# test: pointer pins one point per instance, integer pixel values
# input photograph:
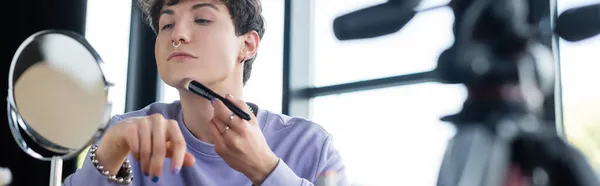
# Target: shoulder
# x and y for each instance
(304, 145)
(168, 110)
(288, 135)
(292, 126)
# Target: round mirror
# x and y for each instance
(58, 95)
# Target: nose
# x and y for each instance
(181, 33)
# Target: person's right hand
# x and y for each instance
(149, 139)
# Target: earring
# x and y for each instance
(176, 45)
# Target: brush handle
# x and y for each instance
(239, 112)
(199, 89)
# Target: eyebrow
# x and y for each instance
(196, 6)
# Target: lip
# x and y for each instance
(180, 54)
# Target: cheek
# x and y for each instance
(218, 49)
(161, 50)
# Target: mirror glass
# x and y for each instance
(58, 89)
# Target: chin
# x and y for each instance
(176, 79)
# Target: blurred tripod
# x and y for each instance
(501, 138)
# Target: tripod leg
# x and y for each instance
(473, 158)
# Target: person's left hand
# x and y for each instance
(241, 143)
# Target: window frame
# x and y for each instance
(297, 83)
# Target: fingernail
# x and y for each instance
(229, 96)
(146, 174)
(176, 170)
(155, 179)
(212, 101)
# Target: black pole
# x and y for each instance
(543, 14)
(142, 75)
(286, 94)
(22, 19)
(296, 58)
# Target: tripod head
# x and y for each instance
(498, 56)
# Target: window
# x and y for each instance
(385, 133)
(265, 85)
(107, 31)
(580, 90)
(389, 132)
(415, 48)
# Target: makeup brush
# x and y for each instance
(203, 91)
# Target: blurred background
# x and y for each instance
(398, 122)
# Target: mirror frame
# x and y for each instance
(17, 123)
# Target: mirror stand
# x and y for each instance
(56, 171)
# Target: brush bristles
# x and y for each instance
(185, 83)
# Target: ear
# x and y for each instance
(250, 45)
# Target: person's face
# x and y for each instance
(207, 34)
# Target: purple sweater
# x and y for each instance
(304, 148)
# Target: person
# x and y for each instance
(196, 141)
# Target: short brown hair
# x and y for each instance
(245, 14)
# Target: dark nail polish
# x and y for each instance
(146, 174)
(212, 101)
(155, 179)
(176, 170)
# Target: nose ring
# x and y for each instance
(176, 44)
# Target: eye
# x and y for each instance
(167, 26)
(202, 21)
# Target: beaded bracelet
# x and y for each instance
(125, 169)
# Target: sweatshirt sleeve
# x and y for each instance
(329, 163)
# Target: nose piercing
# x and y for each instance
(176, 44)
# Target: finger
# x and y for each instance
(221, 117)
(132, 140)
(218, 137)
(188, 158)
(159, 148)
(236, 124)
(145, 144)
(221, 112)
(177, 145)
(221, 126)
(242, 105)
(239, 125)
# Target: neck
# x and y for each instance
(197, 111)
